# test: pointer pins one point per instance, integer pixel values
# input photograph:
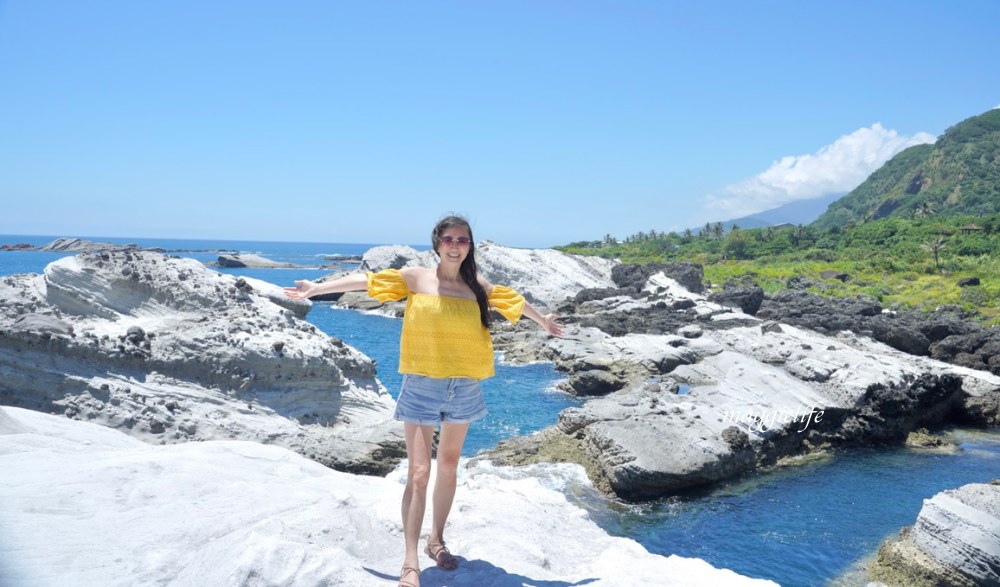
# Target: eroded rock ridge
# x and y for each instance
(170, 351)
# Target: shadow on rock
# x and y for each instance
(478, 572)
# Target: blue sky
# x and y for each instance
(543, 121)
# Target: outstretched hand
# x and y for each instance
(551, 326)
(301, 291)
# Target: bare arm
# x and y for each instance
(547, 322)
(305, 289)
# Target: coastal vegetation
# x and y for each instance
(902, 263)
(921, 232)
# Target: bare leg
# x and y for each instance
(418, 452)
(448, 452)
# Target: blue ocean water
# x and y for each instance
(799, 526)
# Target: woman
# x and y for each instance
(445, 350)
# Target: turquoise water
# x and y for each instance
(806, 524)
(799, 526)
(520, 400)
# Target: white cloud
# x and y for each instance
(838, 167)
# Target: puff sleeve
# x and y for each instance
(508, 302)
(387, 285)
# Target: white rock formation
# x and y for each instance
(544, 276)
(277, 295)
(960, 529)
(955, 541)
(91, 507)
(170, 351)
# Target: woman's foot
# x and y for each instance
(409, 577)
(441, 555)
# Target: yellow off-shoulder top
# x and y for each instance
(443, 335)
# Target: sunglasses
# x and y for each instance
(460, 241)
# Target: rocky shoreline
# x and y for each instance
(686, 387)
(690, 387)
(749, 385)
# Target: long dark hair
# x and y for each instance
(468, 269)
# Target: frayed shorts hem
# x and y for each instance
(428, 401)
(432, 422)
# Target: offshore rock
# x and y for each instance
(170, 351)
(252, 261)
(955, 541)
(77, 245)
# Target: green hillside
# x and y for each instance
(959, 175)
(906, 237)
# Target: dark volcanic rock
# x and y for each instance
(594, 382)
(640, 321)
(591, 294)
(890, 412)
(834, 274)
(898, 333)
(689, 275)
(823, 314)
(798, 282)
(945, 335)
(745, 295)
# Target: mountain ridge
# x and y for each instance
(957, 175)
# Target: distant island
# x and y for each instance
(79, 245)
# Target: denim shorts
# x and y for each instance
(428, 401)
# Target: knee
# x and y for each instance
(419, 476)
(447, 466)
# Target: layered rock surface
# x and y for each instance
(170, 351)
(955, 541)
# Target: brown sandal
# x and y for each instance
(442, 556)
(406, 571)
